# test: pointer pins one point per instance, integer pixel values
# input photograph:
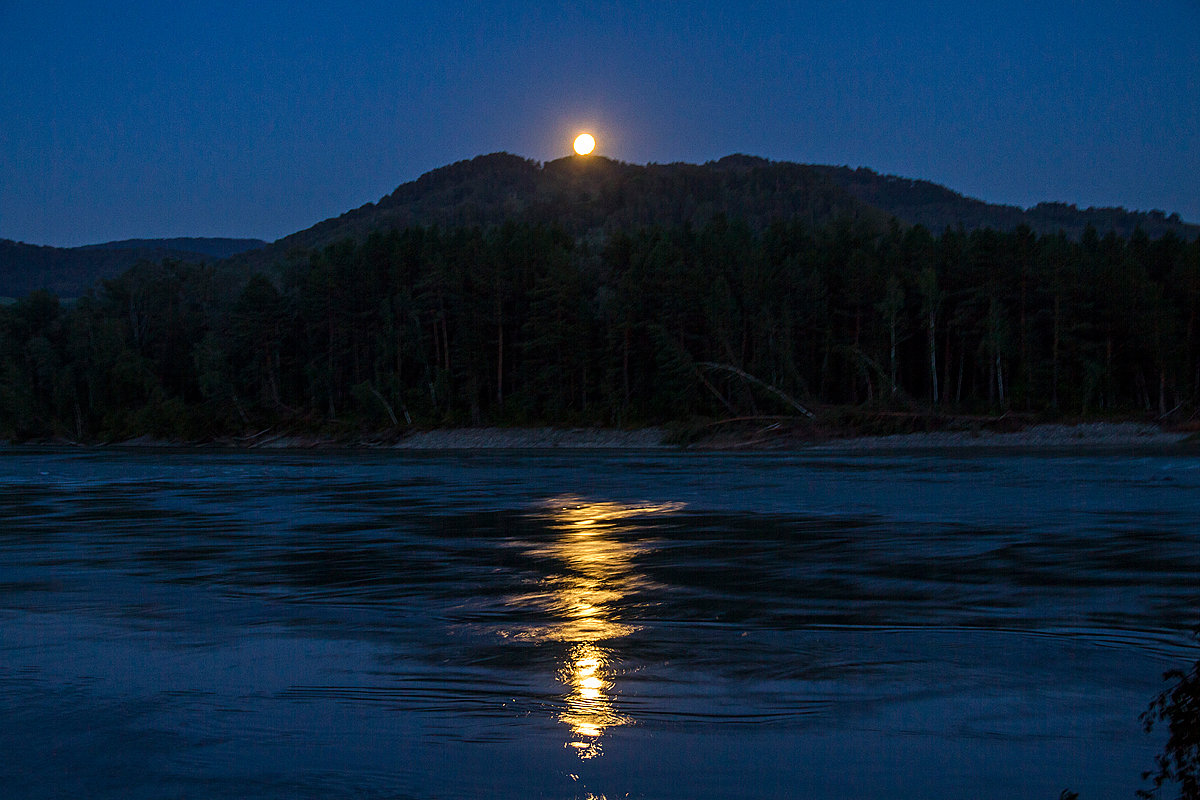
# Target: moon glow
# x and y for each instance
(584, 144)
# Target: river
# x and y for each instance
(588, 624)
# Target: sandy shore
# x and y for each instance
(1091, 434)
(1083, 435)
(464, 438)
(1094, 434)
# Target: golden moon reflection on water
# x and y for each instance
(598, 574)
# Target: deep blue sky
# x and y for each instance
(148, 119)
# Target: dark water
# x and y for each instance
(588, 625)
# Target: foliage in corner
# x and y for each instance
(1179, 762)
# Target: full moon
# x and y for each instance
(584, 144)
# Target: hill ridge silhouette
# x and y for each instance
(592, 197)
(596, 194)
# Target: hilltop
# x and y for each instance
(592, 198)
(595, 196)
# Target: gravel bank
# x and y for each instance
(1091, 434)
(470, 438)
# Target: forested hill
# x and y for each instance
(70, 271)
(592, 198)
(598, 195)
(587, 196)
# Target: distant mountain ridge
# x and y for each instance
(69, 271)
(215, 247)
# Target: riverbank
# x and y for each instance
(764, 437)
(532, 438)
(1088, 434)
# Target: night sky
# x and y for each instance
(151, 119)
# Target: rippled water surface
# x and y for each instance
(586, 625)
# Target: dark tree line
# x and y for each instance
(522, 323)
